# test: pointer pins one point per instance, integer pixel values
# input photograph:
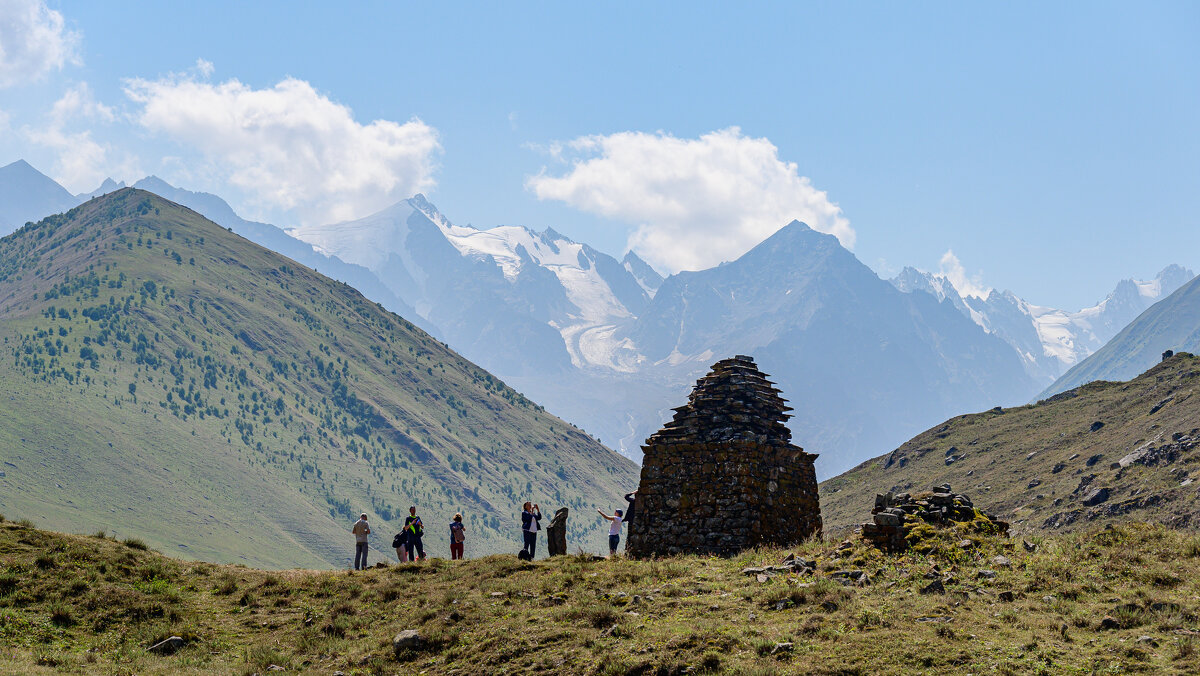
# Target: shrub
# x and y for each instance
(45, 562)
(136, 543)
(60, 614)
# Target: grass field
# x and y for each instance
(78, 604)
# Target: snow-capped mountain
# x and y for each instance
(503, 286)
(612, 346)
(1049, 340)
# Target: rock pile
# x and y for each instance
(723, 476)
(942, 507)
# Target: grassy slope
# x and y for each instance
(1004, 451)
(92, 605)
(269, 404)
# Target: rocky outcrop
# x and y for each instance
(556, 533)
(723, 476)
(894, 513)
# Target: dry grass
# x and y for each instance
(101, 604)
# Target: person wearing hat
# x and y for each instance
(361, 530)
(458, 536)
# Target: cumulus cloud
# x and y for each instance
(82, 162)
(966, 285)
(694, 202)
(33, 41)
(290, 147)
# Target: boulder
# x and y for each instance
(1095, 496)
(409, 639)
(167, 646)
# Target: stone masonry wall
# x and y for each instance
(723, 475)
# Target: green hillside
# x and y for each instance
(1100, 453)
(1105, 601)
(169, 380)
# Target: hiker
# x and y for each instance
(614, 531)
(531, 517)
(630, 498)
(457, 536)
(400, 544)
(361, 530)
(412, 524)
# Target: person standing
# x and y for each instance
(458, 536)
(531, 523)
(361, 530)
(614, 531)
(400, 544)
(415, 529)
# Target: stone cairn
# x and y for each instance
(940, 508)
(723, 475)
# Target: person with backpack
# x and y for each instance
(400, 544)
(531, 518)
(412, 524)
(614, 531)
(458, 535)
(361, 530)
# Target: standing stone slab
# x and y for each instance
(556, 533)
(723, 475)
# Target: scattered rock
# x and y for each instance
(1149, 640)
(1109, 622)
(409, 639)
(1006, 596)
(1034, 483)
(829, 607)
(1095, 496)
(783, 648)
(985, 574)
(1097, 426)
(1001, 561)
(965, 544)
(935, 587)
(275, 667)
(1058, 467)
(762, 577)
(1094, 459)
(1029, 546)
(167, 647)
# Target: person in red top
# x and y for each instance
(458, 536)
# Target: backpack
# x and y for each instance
(457, 533)
(400, 540)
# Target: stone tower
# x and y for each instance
(723, 475)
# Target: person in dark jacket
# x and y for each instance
(531, 518)
(458, 535)
(630, 498)
(415, 529)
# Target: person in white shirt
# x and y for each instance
(614, 530)
(361, 530)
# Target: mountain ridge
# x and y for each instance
(250, 401)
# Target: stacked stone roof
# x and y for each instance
(735, 401)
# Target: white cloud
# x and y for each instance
(33, 41)
(966, 285)
(204, 67)
(82, 162)
(290, 147)
(695, 202)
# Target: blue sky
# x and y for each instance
(1053, 149)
